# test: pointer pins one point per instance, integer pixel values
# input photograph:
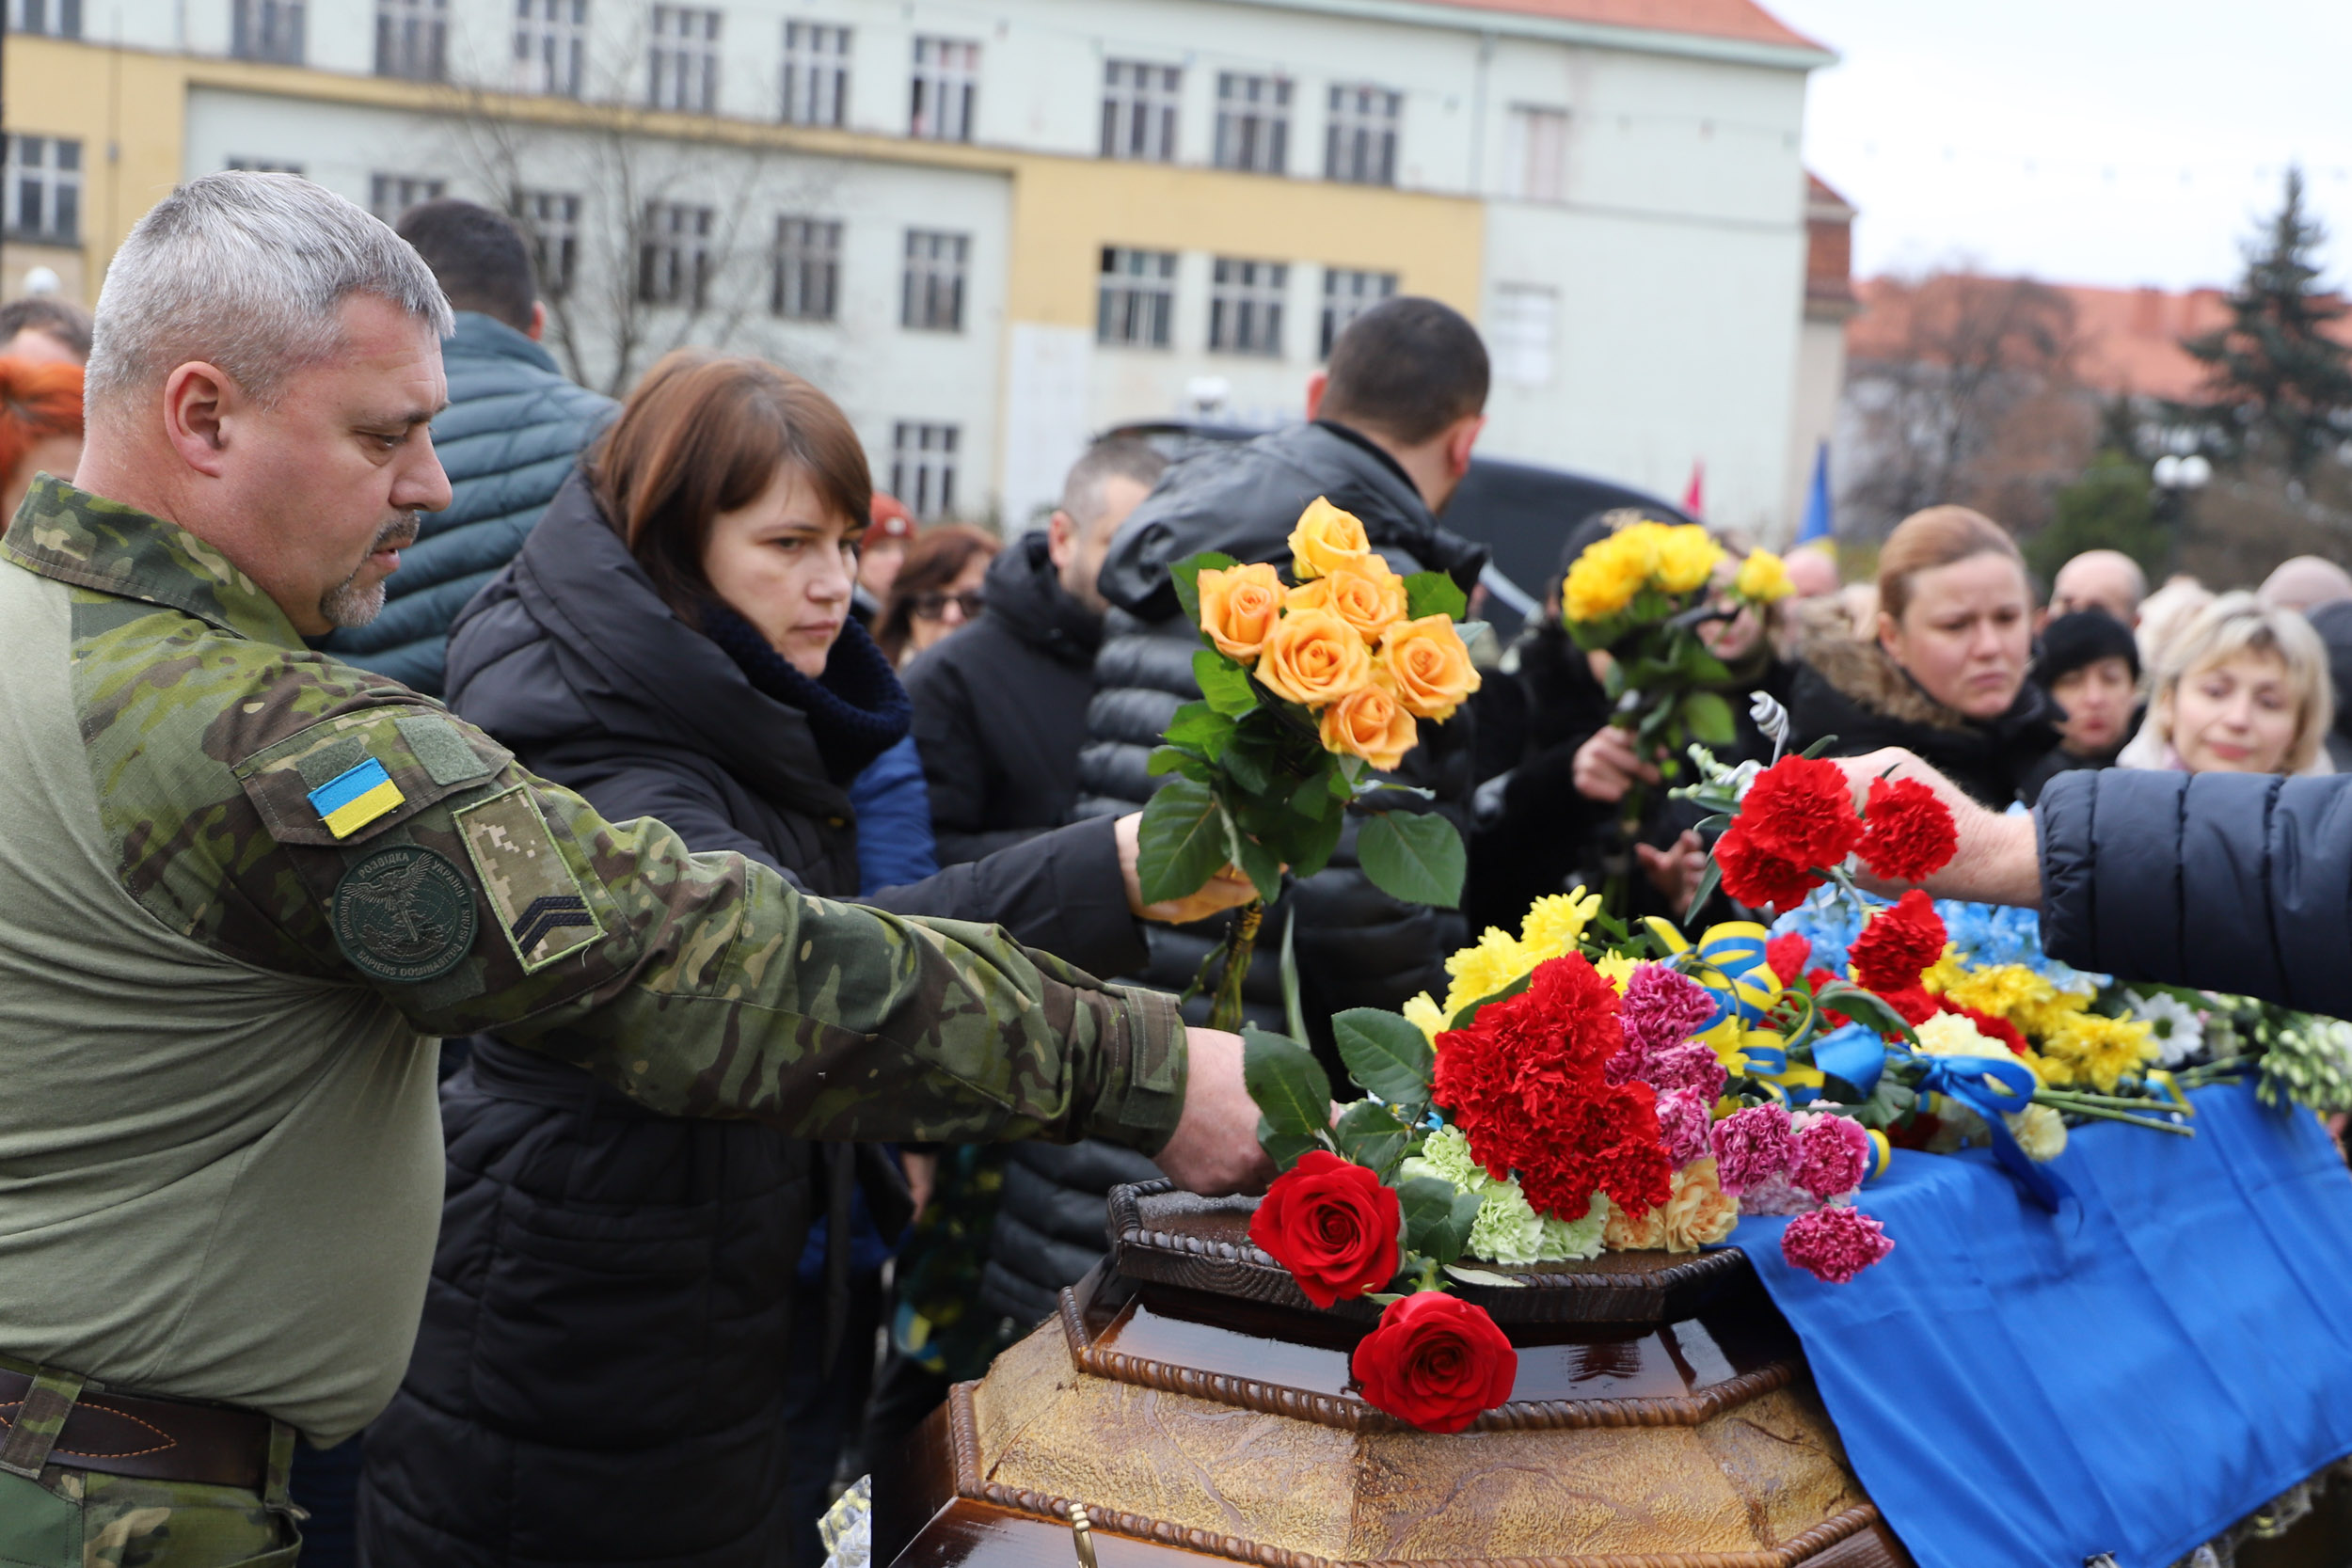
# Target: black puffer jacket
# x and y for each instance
(600, 1377)
(2227, 881)
(1001, 708)
(1852, 689)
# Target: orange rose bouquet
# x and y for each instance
(1312, 686)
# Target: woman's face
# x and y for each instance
(934, 614)
(2098, 702)
(1967, 634)
(785, 564)
(2236, 716)
(1735, 638)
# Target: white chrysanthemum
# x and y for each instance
(2178, 1030)
(1951, 1034)
(2040, 1130)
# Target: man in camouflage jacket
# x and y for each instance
(241, 887)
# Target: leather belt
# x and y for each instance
(153, 1438)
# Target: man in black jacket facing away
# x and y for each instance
(1000, 708)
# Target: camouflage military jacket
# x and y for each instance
(242, 884)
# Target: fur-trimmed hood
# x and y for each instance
(1852, 689)
(1870, 678)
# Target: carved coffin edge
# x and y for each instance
(963, 1435)
(1354, 1414)
(1221, 1268)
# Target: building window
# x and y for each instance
(1253, 122)
(807, 284)
(391, 195)
(263, 30)
(816, 74)
(1521, 334)
(44, 193)
(56, 18)
(933, 300)
(685, 59)
(412, 39)
(1140, 110)
(673, 256)
(550, 46)
(1360, 145)
(923, 467)
(550, 220)
(1347, 294)
(946, 82)
(1536, 153)
(1138, 297)
(1246, 307)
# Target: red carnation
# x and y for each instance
(1897, 944)
(1915, 1005)
(1610, 1143)
(1785, 954)
(1802, 810)
(1990, 1027)
(1436, 1361)
(1333, 1225)
(1757, 877)
(1907, 833)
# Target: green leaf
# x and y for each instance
(1293, 1010)
(1387, 1056)
(1284, 1149)
(1437, 1219)
(1256, 862)
(1309, 849)
(1199, 724)
(1487, 1278)
(1432, 594)
(1819, 747)
(1312, 798)
(1179, 759)
(1224, 683)
(1251, 760)
(1181, 844)
(1186, 574)
(1288, 1085)
(1368, 1135)
(1863, 1007)
(1413, 856)
(1709, 878)
(1709, 717)
(1462, 1019)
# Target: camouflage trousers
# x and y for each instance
(61, 1517)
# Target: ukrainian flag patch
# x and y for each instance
(351, 800)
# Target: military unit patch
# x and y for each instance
(404, 915)
(351, 800)
(536, 897)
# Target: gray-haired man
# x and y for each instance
(240, 885)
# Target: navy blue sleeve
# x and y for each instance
(2231, 882)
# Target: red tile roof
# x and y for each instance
(1743, 19)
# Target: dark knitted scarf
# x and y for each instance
(856, 710)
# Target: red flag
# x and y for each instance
(1694, 500)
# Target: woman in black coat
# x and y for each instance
(605, 1369)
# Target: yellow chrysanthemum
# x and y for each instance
(1495, 961)
(1686, 558)
(1555, 923)
(1422, 1014)
(1763, 578)
(1603, 581)
(1617, 970)
(2005, 990)
(1947, 972)
(2091, 1048)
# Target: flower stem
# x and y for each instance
(2101, 1112)
(1241, 940)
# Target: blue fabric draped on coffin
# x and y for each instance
(2133, 1374)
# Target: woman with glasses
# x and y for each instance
(938, 590)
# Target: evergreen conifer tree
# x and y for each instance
(2277, 383)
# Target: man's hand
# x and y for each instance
(1607, 766)
(1675, 871)
(1228, 889)
(1999, 857)
(1215, 1146)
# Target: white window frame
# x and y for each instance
(816, 73)
(1253, 122)
(1139, 103)
(551, 221)
(923, 466)
(1245, 306)
(674, 257)
(412, 40)
(1136, 301)
(35, 16)
(391, 194)
(938, 265)
(682, 59)
(552, 47)
(48, 170)
(1359, 140)
(945, 89)
(1523, 334)
(269, 30)
(1535, 152)
(1348, 293)
(807, 281)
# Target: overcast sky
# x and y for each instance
(2082, 141)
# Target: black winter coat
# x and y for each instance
(1001, 708)
(599, 1374)
(2227, 881)
(1852, 689)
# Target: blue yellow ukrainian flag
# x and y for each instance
(349, 802)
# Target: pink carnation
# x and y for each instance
(1690, 1066)
(1752, 1147)
(1682, 1126)
(1777, 1194)
(1663, 1008)
(1835, 1245)
(1832, 1154)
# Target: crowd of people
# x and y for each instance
(648, 1336)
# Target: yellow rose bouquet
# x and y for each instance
(1310, 687)
(1641, 595)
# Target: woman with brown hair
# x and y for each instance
(939, 590)
(626, 1355)
(1944, 673)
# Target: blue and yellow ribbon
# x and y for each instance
(1995, 1089)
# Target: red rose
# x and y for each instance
(1907, 833)
(1757, 877)
(1435, 1361)
(1802, 810)
(1332, 1224)
(1785, 954)
(1899, 944)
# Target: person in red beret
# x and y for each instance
(882, 550)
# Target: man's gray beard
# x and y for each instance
(347, 604)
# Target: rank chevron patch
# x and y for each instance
(540, 904)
